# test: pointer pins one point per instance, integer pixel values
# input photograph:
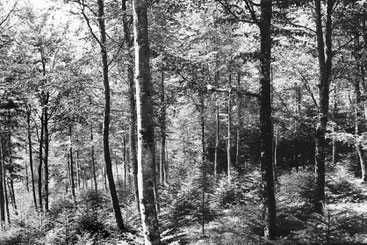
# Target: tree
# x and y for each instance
(146, 152)
(265, 116)
(107, 111)
(324, 49)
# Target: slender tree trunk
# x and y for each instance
(26, 177)
(334, 153)
(144, 104)
(106, 122)
(2, 198)
(358, 119)
(275, 155)
(229, 126)
(358, 109)
(93, 160)
(325, 66)
(47, 143)
(30, 152)
(40, 197)
(216, 140)
(10, 179)
(77, 166)
(162, 165)
(6, 197)
(68, 174)
(12, 195)
(203, 161)
(72, 181)
(265, 117)
(239, 122)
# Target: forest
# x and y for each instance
(183, 122)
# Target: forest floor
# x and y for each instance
(345, 221)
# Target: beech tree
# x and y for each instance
(146, 152)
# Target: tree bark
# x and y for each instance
(325, 65)
(229, 127)
(132, 105)
(216, 140)
(47, 143)
(2, 198)
(72, 166)
(106, 122)
(265, 117)
(146, 151)
(239, 122)
(6, 197)
(162, 122)
(334, 153)
(358, 121)
(40, 197)
(93, 160)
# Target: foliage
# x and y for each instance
(296, 188)
(242, 190)
(340, 186)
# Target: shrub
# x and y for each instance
(341, 187)
(242, 190)
(297, 188)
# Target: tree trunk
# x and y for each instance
(275, 161)
(72, 166)
(162, 164)
(229, 126)
(11, 183)
(106, 122)
(203, 162)
(239, 122)
(93, 160)
(358, 121)
(6, 197)
(334, 154)
(144, 103)
(77, 166)
(132, 105)
(26, 177)
(216, 140)
(265, 118)
(325, 66)
(40, 197)
(12, 196)
(47, 143)
(2, 198)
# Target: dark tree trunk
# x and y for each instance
(12, 196)
(334, 153)
(72, 181)
(40, 197)
(93, 160)
(6, 197)
(47, 143)
(265, 118)
(229, 126)
(216, 140)
(77, 166)
(325, 66)
(26, 177)
(144, 104)
(2, 198)
(203, 162)
(162, 121)
(106, 122)
(239, 122)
